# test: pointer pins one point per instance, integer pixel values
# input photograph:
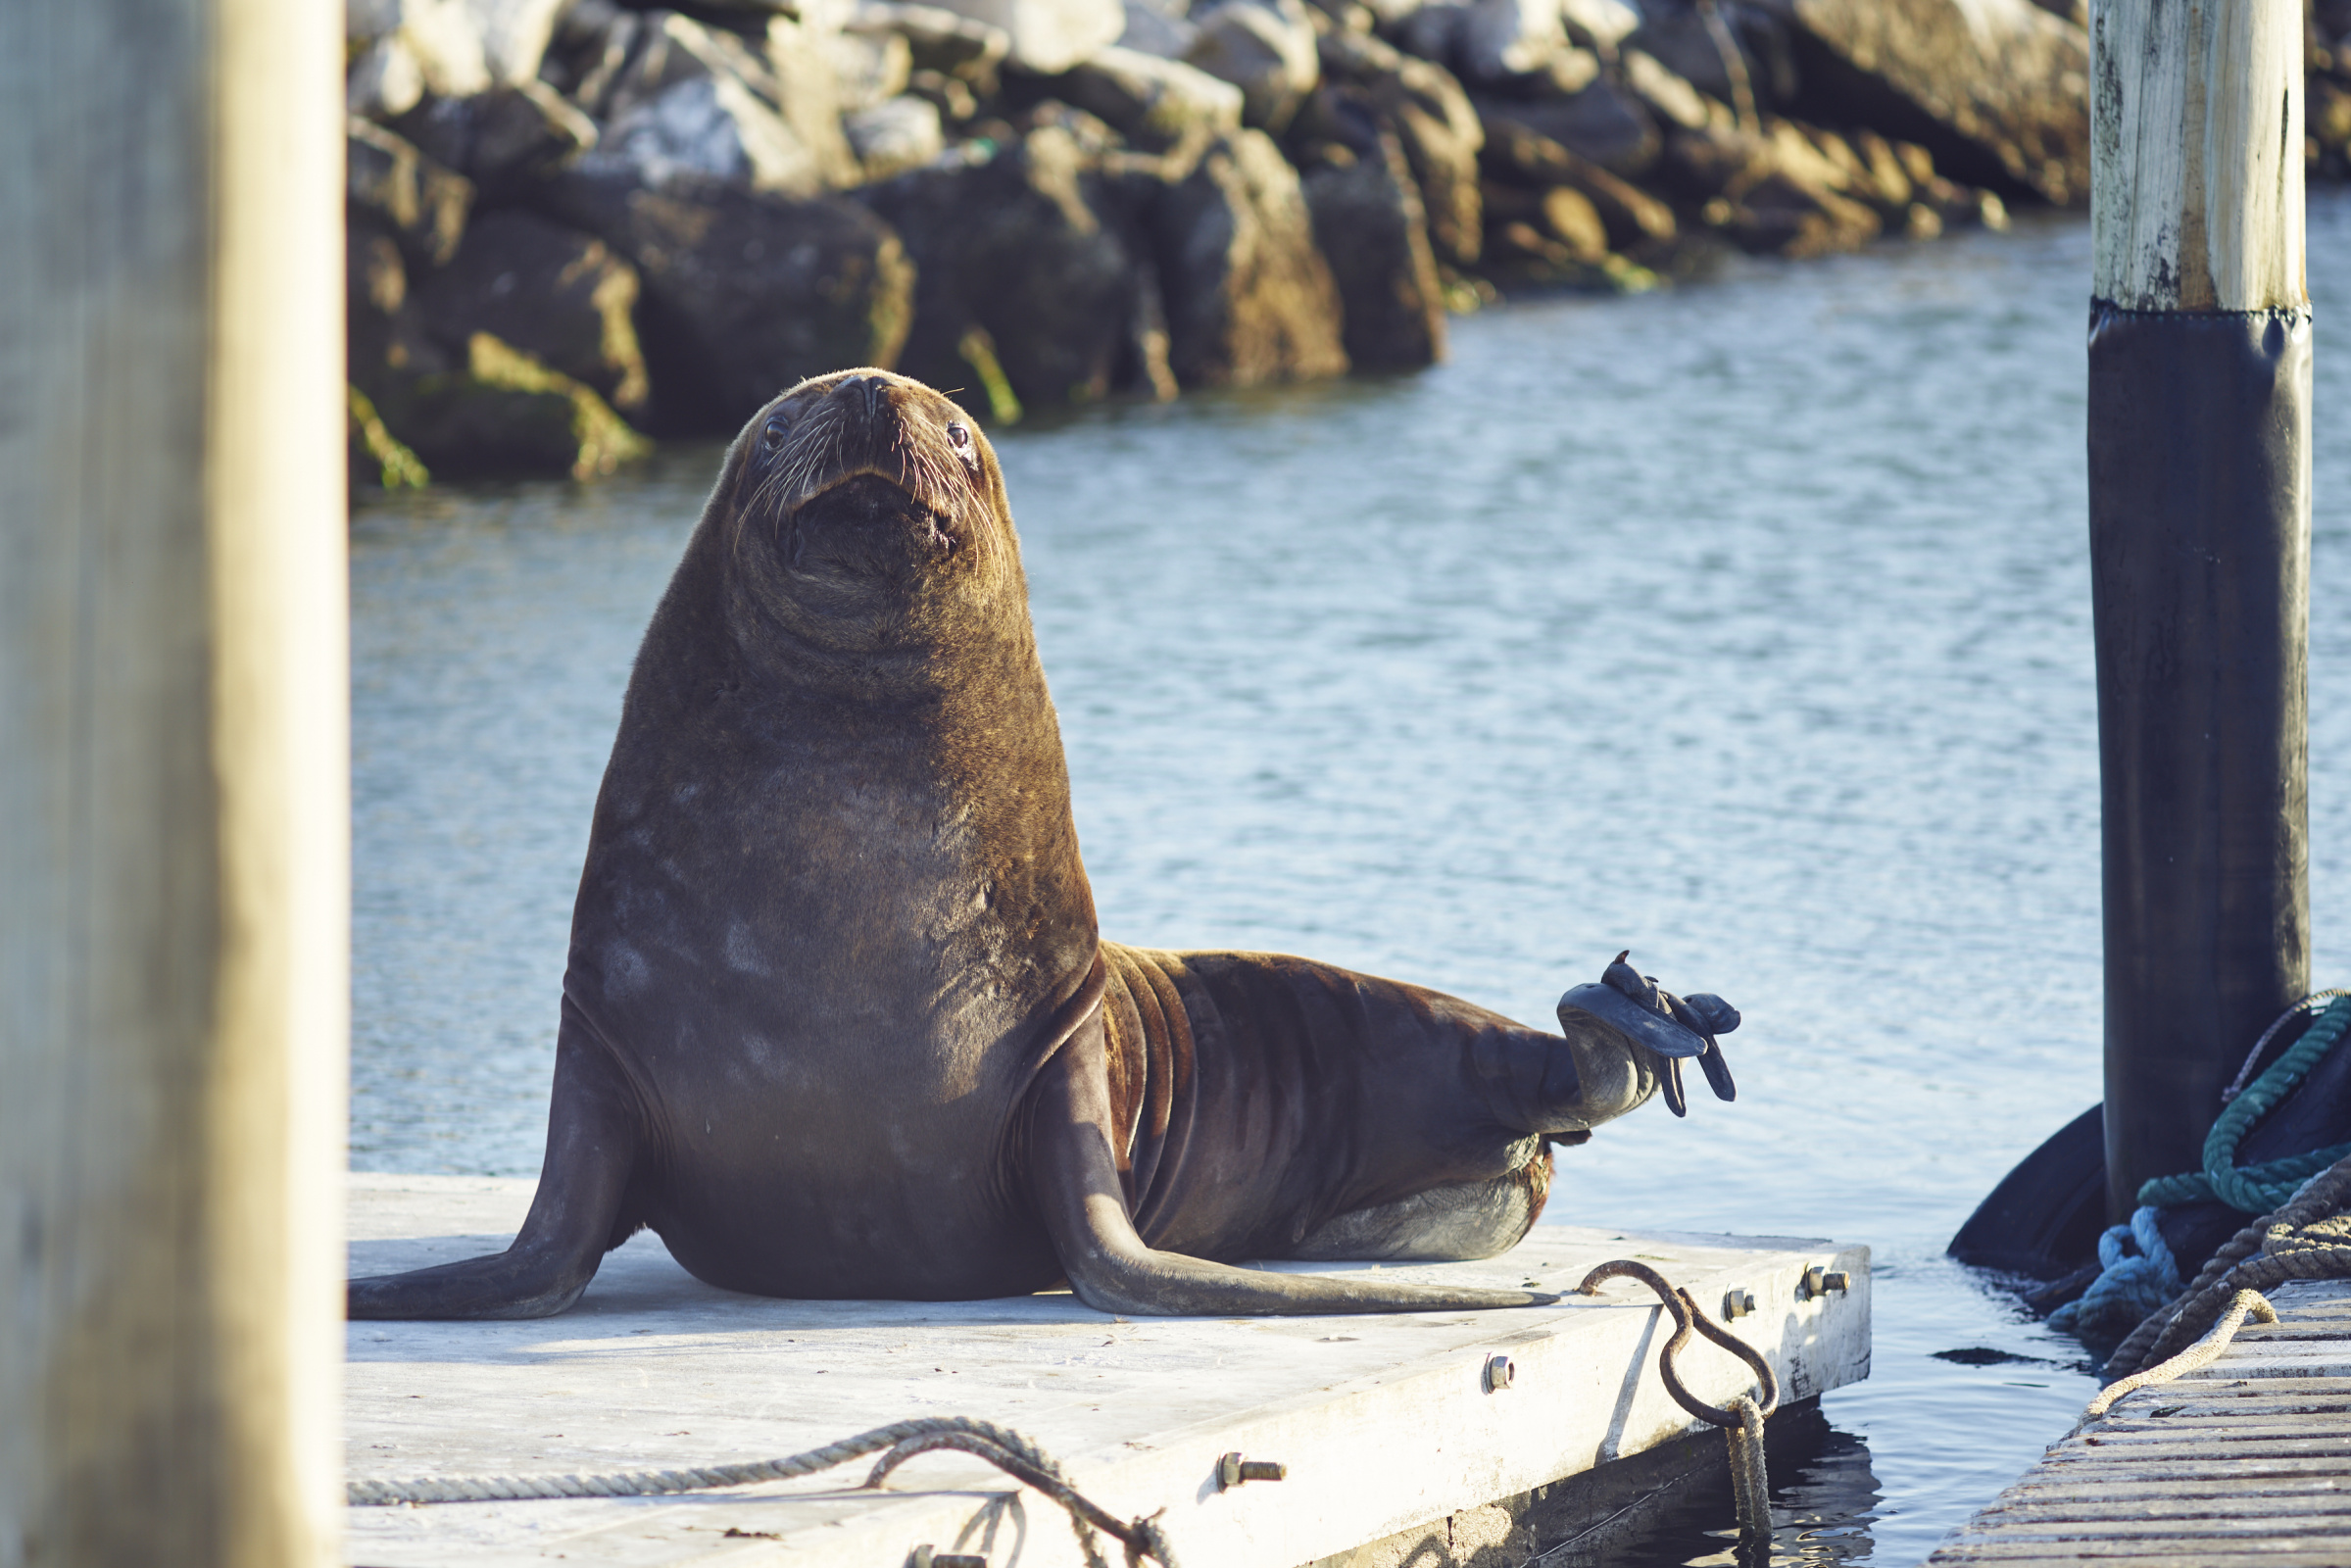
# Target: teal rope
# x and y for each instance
(2131, 1286)
(2259, 1189)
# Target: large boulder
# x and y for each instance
(1369, 225)
(1677, 33)
(1670, 97)
(1432, 118)
(1607, 122)
(500, 413)
(801, 83)
(1154, 103)
(384, 332)
(1556, 239)
(1025, 270)
(1772, 191)
(1636, 221)
(744, 292)
(1264, 47)
(403, 49)
(871, 66)
(1048, 36)
(1157, 28)
(501, 139)
(895, 135)
(1601, 25)
(710, 127)
(391, 188)
(1518, 41)
(1997, 90)
(554, 293)
(940, 40)
(693, 102)
(1248, 297)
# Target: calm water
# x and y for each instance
(1746, 624)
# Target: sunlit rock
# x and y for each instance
(391, 187)
(1157, 28)
(895, 135)
(1370, 227)
(1996, 89)
(1027, 272)
(1248, 297)
(557, 295)
(1606, 123)
(1152, 102)
(1264, 47)
(501, 411)
(744, 292)
(697, 103)
(1048, 36)
(501, 139)
(1432, 119)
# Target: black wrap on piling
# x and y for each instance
(2199, 480)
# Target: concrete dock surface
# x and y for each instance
(1387, 1425)
(2245, 1461)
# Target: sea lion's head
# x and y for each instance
(866, 512)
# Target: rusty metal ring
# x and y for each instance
(1688, 1315)
(1132, 1535)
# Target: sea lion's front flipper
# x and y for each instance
(592, 1136)
(1111, 1267)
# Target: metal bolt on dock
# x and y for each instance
(1738, 1304)
(1232, 1470)
(1819, 1282)
(1499, 1373)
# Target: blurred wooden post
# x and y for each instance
(2199, 469)
(173, 795)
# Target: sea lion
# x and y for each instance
(837, 1020)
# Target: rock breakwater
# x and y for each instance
(575, 221)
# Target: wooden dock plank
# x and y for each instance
(2246, 1461)
(1386, 1423)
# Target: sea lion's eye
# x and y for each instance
(772, 435)
(959, 436)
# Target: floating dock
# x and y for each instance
(1393, 1433)
(2245, 1461)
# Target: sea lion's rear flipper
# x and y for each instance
(1108, 1264)
(592, 1137)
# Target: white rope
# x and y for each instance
(2203, 1353)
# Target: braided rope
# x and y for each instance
(2305, 1239)
(2202, 1353)
(2130, 1287)
(1009, 1451)
(2256, 1188)
(1751, 1484)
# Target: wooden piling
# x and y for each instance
(174, 796)
(2199, 471)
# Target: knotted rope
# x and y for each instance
(2308, 1238)
(2132, 1285)
(1009, 1451)
(1742, 1422)
(2138, 1278)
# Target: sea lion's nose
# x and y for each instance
(865, 391)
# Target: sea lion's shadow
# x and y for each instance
(641, 1290)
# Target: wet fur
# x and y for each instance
(837, 1020)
